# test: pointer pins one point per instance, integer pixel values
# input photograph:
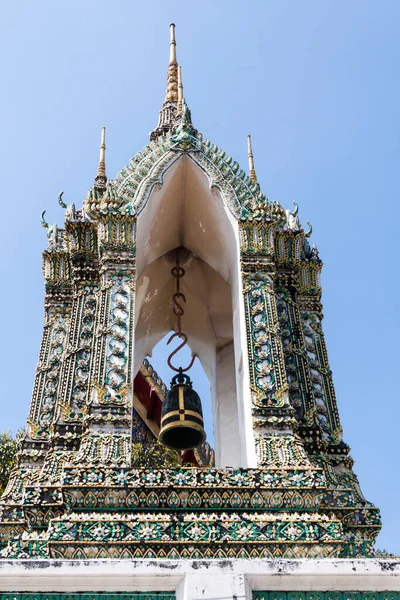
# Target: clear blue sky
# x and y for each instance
(315, 82)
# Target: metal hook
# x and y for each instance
(185, 340)
(178, 309)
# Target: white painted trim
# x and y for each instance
(199, 579)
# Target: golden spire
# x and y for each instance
(252, 171)
(172, 77)
(101, 177)
(180, 92)
(173, 103)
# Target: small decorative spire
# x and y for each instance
(180, 92)
(101, 177)
(252, 171)
(172, 77)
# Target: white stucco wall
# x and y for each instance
(200, 579)
(226, 425)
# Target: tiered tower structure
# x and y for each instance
(280, 484)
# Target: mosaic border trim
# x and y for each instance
(326, 595)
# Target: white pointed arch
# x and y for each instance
(187, 211)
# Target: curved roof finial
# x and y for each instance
(101, 177)
(252, 171)
(172, 77)
(180, 92)
(61, 201)
(43, 221)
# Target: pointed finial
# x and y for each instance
(252, 171)
(101, 177)
(172, 44)
(172, 77)
(180, 92)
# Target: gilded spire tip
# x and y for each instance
(252, 171)
(101, 177)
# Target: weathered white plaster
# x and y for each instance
(200, 579)
(248, 451)
(226, 424)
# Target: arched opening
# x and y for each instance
(185, 213)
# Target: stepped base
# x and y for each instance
(103, 512)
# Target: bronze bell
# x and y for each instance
(182, 426)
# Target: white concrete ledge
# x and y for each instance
(199, 579)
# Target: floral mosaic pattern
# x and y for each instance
(265, 351)
(321, 377)
(199, 478)
(48, 374)
(117, 340)
(194, 489)
(221, 528)
(300, 387)
(74, 384)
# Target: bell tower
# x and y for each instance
(282, 485)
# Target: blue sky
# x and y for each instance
(316, 83)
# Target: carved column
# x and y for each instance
(108, 422)
(81, 240)
(277, 443)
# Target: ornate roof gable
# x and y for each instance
(135, 182)
(174, 137)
